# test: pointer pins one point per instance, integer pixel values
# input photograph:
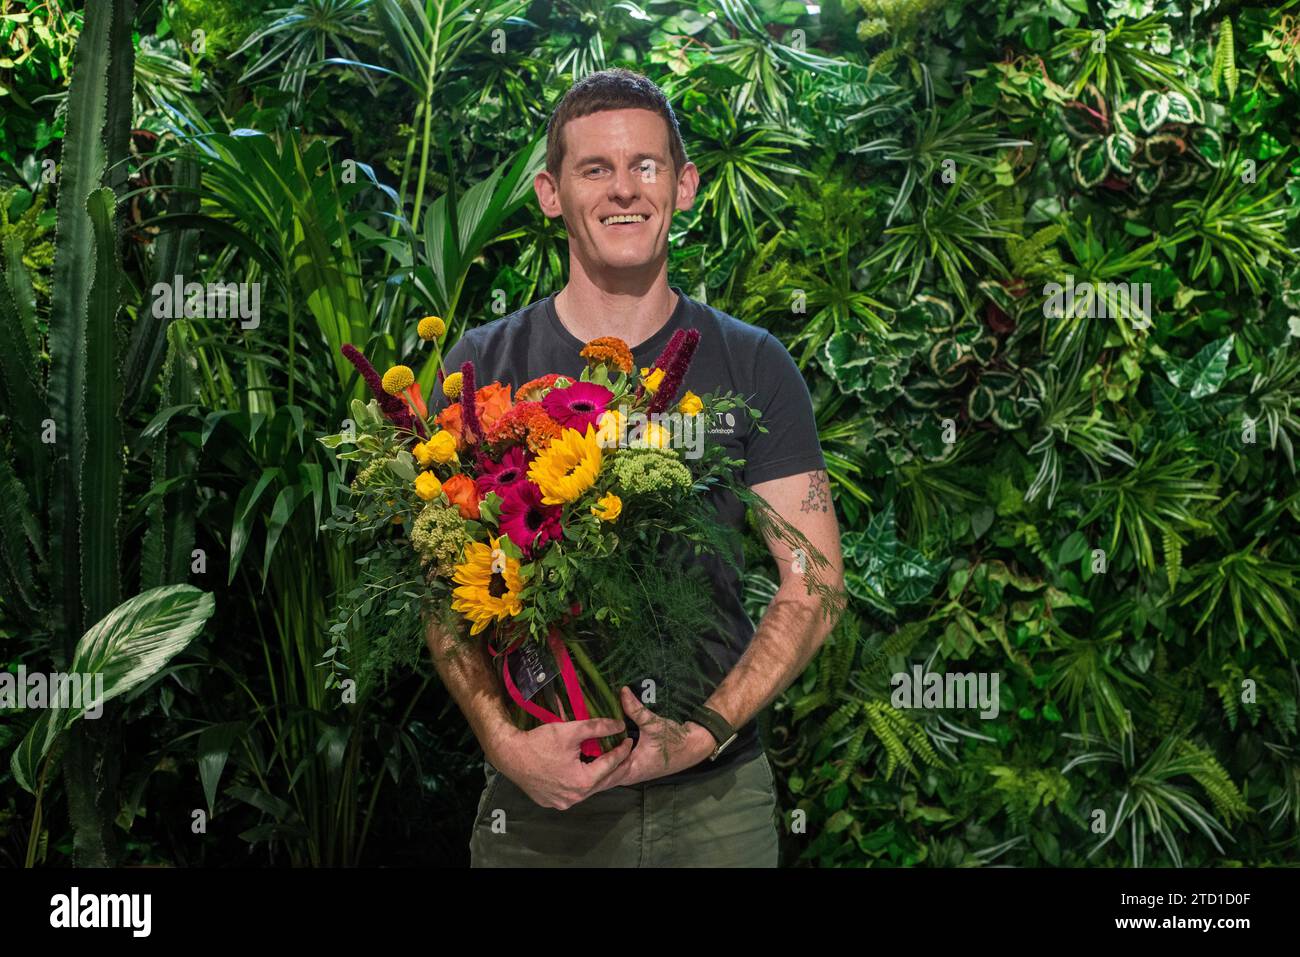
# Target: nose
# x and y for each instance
(625, 184)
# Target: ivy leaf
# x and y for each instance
(847, 363)
(1204, 373)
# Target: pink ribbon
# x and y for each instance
(573, 690)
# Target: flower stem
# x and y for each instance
(589, 669)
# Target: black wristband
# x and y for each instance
(723, 733)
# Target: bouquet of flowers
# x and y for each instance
(562, 522)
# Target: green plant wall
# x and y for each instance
(1037, 262)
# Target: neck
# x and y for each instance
(631, 308)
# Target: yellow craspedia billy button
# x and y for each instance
(398, 378)
(452, 385)
(431, 327)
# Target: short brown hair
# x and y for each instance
(613, 89)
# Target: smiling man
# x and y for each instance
(701, 794)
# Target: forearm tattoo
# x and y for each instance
(819, 494)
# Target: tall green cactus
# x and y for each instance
(61, 488)
(83, 392)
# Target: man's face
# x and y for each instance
(617, 190)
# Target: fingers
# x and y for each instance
(609, 762)
(633, 708)
(592, 728)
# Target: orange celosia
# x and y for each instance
(525, 422)
(463, 493)
(492, 402)
(610, 350)
(534, 389)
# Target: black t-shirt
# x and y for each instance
(732, 356)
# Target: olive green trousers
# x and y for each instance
(725, 819)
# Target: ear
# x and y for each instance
(687, 186)
(548, 193)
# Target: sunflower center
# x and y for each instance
(497, 585)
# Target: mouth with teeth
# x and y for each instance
(624, 219)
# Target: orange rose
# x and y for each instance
(461, 492)
(491, 402)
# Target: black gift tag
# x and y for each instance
(532, 668)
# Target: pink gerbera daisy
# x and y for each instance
(577, 406)
(499, 476)
(526, 520)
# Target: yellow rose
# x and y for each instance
(651, 378)
(427, 486)
(423, 454)
(690, 404)
(442, 447)
(654, 436)
(608, 508)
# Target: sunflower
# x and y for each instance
(489, 585)
(567, 467)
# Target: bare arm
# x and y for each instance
(791, 631)
(794, 626)
(465, 670)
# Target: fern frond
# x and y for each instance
(1026, 253)
(840, 719)
(901, 738)
(1229, 697)
(1173, 545)
(1225, 60)
(849, 758)
(1216, 782)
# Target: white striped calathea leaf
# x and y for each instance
(1208, 146)
(127, 647)
(1148, 179)
(1127, 118)
(1120, 148)
(1183, 109)
(1090, 163)
(1153, 109)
